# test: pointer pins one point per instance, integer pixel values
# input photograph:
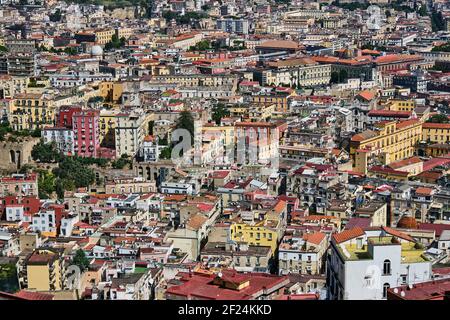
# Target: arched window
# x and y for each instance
(386, 267)
(386, 286)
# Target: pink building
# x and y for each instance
(86, 133)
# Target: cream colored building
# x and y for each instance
(130, 131)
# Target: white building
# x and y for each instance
(149, 150)
(14, 212)
(67, 224)
(177, 188)
(44, 221)
(362, 265)
(131, 129)
(62, 137)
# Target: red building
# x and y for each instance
(65, 116)
(86, 133)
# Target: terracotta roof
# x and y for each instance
(348, 235)
(29, 295)
(430, 125)
(392, 58)
(316, 237)
(397, 234)
(196, 221)
(406, 123)
(434, 162)
(367, 95)
(389, 113)
(365, 135)
(424, 190)
(280, 44)
(405, 162)
(387, 170)
(202, 286)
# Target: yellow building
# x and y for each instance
(261, 112)
(104, 36)
(111, 92)
(279, 99)
(107, 125)
(30, 111)
(227, 132)
(239, 111)
(392, 141)
(401, 105)
(124, 32)
(44, 270)
(257, 235)
(436, 132)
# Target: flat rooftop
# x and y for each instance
(409, 251)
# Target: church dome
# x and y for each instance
(407, 222)
(96, 51)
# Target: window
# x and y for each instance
(385, 289)
(387, 267)
(403, 278)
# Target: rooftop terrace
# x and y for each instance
(410, 251)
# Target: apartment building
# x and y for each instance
(364, 264)
(19, 184)
(298, 72)
(86, 133)
(31, 111)
(62, 137)
(130, 131)
(44, 270)
(389, 142)
(302, 252)
(436, 132)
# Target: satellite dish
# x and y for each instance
(219, 274)
(402, 293)
(395, 290)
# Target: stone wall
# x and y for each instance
(13, 155)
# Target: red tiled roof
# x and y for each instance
(424, 190)
(29, 295)
(406, 123)
(437, 227)
(387, 170)
(389, 113)
(348, 235)
(405, 162)
(431, 290)
(435, 162)
(430, 125)
(397, 234)
(201, 286)
(316, 237)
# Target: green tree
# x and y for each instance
(438, 118)
(9, 281)
(122, 162)
(201, 46)
(166, 153)
(343, 75)
(81, 260)
(45, 152)
(186, 121)
(4, 129)
(219, 111)
(334, 77)
(72, 169)
(423, 10)
(46, 184)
